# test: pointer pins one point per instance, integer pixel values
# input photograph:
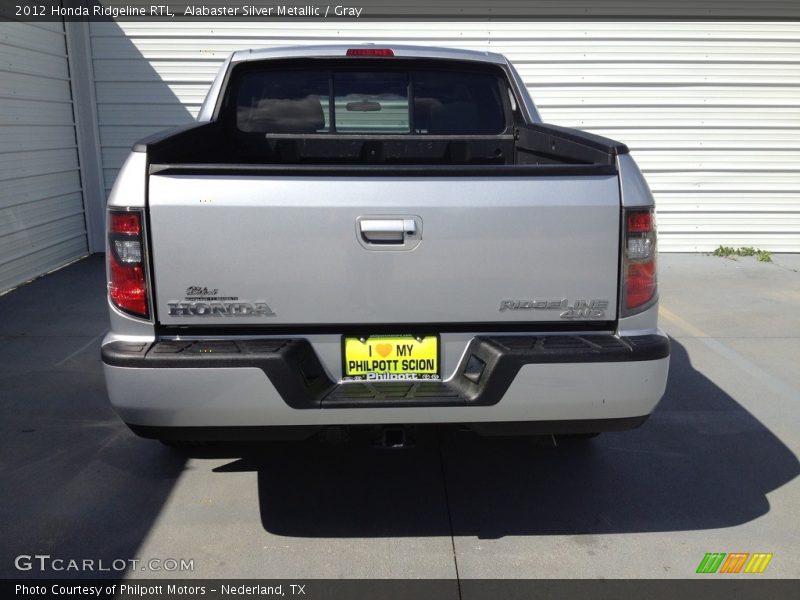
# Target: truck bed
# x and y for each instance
(211, 146)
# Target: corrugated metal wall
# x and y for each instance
(711, 110)
(41, 207)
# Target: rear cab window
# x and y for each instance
(375, 99)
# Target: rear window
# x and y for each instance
(371, 102)
(448, 103)
(283, 102)
(437, 102)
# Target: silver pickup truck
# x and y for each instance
(379, 236)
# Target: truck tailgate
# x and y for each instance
(276, 250)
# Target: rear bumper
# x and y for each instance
(560, 380)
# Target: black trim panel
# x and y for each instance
(488, 368)
(254, 433)
(608, 147)
(244, 433)
(554, 170)
(170, 137)
(565, 427)
(370, 328)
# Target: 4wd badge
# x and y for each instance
(579, 309)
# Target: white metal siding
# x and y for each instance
(41, 206)
(711, 110)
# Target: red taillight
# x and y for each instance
(639, 260)
(640, 222)
(370, 52)
(124, 222)
(640, 283)
(127, 286)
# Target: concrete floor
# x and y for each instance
(715, 468)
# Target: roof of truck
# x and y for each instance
(340, 50)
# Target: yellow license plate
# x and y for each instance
(391, 357)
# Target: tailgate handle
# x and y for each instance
(387, 231)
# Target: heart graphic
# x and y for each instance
(383, 349)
